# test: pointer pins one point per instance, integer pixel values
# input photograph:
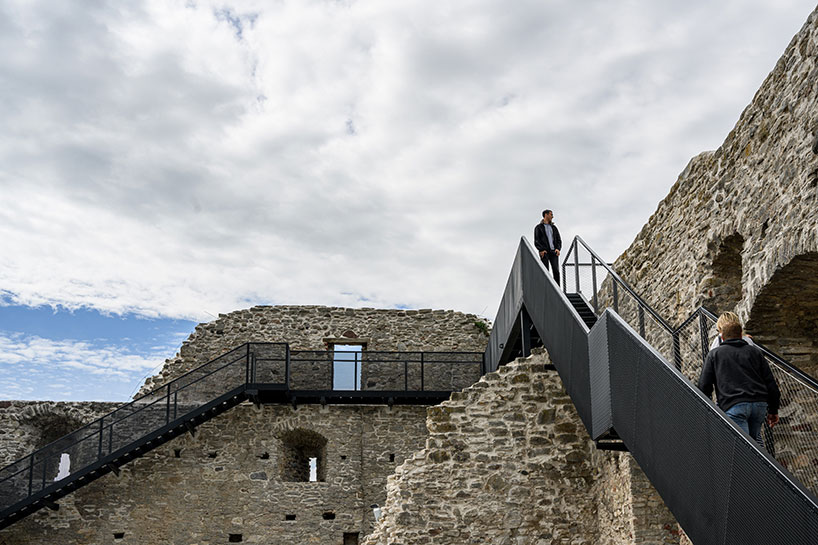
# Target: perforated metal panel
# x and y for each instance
(506, 318)
(600, 376)
(719, 486)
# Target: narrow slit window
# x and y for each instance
(313, 470)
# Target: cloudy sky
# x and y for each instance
(163, 162)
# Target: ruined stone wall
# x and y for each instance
(230, 479)
(508, 461)
(310, 327)
(738, 216)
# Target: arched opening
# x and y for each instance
(784, 316)
(723, 289)
(54, 428)
(303, 456)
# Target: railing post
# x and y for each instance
(615, 295)
(421, 372)
(355, 385)
(641, 321)
(332, 369)
(593, 281)
(703, 332)
(576, 268)
(525, 332)
(99, 451)
(564, 278)
(175, 404)
(30, 474)
(167, 406)
(287, 366)
(45, 465)
(677, 351)
(247, 366)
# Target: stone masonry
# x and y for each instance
(315, 327)
(738, 230)
(232, 479)
(245, 473)
(508, 461)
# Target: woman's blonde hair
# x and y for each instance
(729, 325)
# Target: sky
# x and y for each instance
(164, 162)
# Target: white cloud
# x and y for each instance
(185, 158)
(34, 355)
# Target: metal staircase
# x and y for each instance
(629, 374)
(257, 372)
(583, 308)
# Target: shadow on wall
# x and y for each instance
(722, 289)
(303, 456)
(784, 316)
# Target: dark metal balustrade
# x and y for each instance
(258, 372)
(793, 442)
(629, 372)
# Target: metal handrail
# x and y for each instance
(690, 346)
(165, 391)
(699, 312)
(808, 381)
(134, 402)
(616, 278)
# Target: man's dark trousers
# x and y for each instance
(554, 260)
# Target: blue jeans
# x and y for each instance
(750, 417)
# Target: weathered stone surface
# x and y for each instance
(228, 479)
(308, 327)
(738, 230)
(504, 492)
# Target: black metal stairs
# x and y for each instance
(256, 372)
(583, 308)
(628, 370)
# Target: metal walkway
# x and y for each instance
(257, 372)
(629, 375)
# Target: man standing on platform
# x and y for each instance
(547, 240)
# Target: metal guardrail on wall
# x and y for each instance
(717, 482)
(225, 380)
(793, 442)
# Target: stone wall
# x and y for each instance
(316, 327)
(738, 217)
(508, 461)
(233, 478)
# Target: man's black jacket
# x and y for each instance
(740, 374)
(541, 240)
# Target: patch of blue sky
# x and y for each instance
(347, 367)
(63, 355)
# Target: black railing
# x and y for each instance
(244, 372)
(625, 373)
(793, 442)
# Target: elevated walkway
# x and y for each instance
(629, 375)
(256, 372)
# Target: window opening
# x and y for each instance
(303, 456)
(351, 538)
(119, 535)
(313, 469)
(329, 515)
(289, 517)
(346, 366)
(391, 457)
(65, 466)
(234, 538)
